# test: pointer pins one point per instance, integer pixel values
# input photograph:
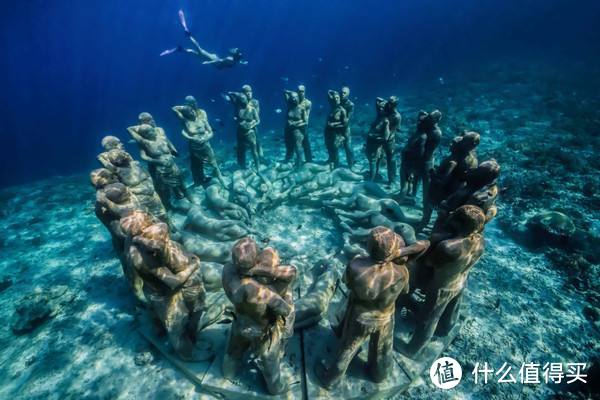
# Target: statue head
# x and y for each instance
(135, 223)
(391, 209)
(236, 53)
(293, 98)
(466, 220)
(190, 101)
(301, 92)
(111, 142)
(435, 116)
(147, 131)
(383, 244)
(155, 237)
(119, 158)
(345, 92)
(146, 118)
(102, 177)
(244, 253)
(247, 90)
(379, 105)
(117, 193)
(485, 173)
(391, 104)
(334, 98)
(268, 258)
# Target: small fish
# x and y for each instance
(278, 110)
(212, 100)
(441, 80)
(320, 59)
(346, 67)
(266, 240)
(226, 96)
(285, 78)
(299, 227)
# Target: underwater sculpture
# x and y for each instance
(217, 199)
(295, 126)
(441, 275)
(217, 229)
(198, 133)
(335, 129)
(381, 138)
(235, 56)
(417, 156)
(247, 119)
(348, 106)
(375, 282)
(156, 151)
(247, 91)
(172, 282)
(447, 177)
(312, 307)
(131, 174)
(306, 104)
(260, 290)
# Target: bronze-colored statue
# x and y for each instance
(260, 290)
(335, 129)
(295, 126)
(198, 132)
(417, 155)
(381, 139)
(348, 106)
(306, 104)
(441, 275)
(247, 119)
(155, 150)
(172, 281)
(447, 177)
(375, 282)
(138, 181)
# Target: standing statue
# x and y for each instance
(247, 91)
(447, 177)
(348, 106)
(335, 129)
(198, 132)
(374, 282)
(171, 279)
(295, 126)
(441, 276)
(131, 174)
(247, 119)
(306, 104)
(155, 150)
(260, 290)
(381, 139)
(417, 155)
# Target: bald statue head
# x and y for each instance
(190, 101)
(117, 192)
(244, 253)
(147, 131)
(466, 142)
(345, 92)
(111, 142)
(119, 158)
(486, 173)
(135, 223)
(268, 258)
(146, 118)
(467, 220)
(383, 244)
(247, 90)
(102, 177)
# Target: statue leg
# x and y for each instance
(450, 316)
(348, 149)
(234, 352)
(197, 167)
(289, 145)
(269, 363)
(306, 145)
(380, 351)
(241, 150)
(298, 138)
(254, 148)
(329, 146)
(174, 315)
(391, 163)
(353, 336)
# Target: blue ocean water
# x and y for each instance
(72, 72)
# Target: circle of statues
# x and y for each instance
(172, 266)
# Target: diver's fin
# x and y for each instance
(183, 23)
(171, 51)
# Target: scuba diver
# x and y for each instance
(234, 57)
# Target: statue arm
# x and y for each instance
(173, 281)
(103, 160)
(177, 111)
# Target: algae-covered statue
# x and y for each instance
(375, 282)
(172, 281)
(447, 177)
(348, 106)
(155, 150)
(198, 133)
(441, 276)
(247, 119)
(335, 129)
(131, 174)
(295, 126)
(260, 290)
(306, 105)
(381, 139)
(417, 155)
